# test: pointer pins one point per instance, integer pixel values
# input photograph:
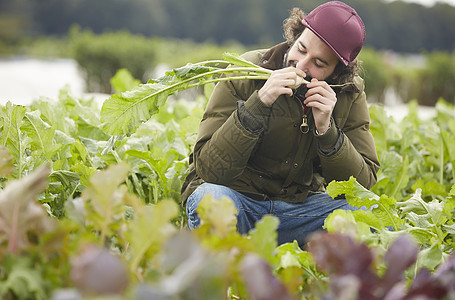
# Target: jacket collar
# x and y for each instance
(273, 59)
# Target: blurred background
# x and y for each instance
(46, 45)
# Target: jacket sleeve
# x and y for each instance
(357, 155)
(224, 144)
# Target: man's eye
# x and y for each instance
(318, 65)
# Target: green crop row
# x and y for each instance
(88, 215)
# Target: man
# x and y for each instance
(273, 149)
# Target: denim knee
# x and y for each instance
(192, 217)
(192, 203)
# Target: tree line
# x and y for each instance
(398, 26)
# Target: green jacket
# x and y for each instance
(260, 150)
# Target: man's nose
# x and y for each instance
(302, 64)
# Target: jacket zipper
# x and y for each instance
(303, 111)
(304, 127)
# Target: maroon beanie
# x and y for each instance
(340, 27)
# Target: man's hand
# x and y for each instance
(279, 83)
(322, 99)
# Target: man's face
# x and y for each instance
(310, 54)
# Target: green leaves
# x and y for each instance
(236, 60)
(264, 238)
(24, 280)
(123, 81)
(354, 192)
(429, 223)
(149, 231)
(220, 214)
(382, 207)
(122, 193)
(41, 135)
(430, 216)
(413, 150)
(20, 213)
(12, 136)
(6, 162)
(104, 200)
(122, 113)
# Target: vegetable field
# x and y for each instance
(90, 209)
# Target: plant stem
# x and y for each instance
(215, 80)
(174, 87)
(441, 159)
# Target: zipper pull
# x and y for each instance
(304, 128)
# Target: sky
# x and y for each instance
(429, 2)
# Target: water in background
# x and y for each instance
(23, 80)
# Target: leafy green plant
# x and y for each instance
(22, 221)
(123, 113)
(110, 205)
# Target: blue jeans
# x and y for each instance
(297, 220)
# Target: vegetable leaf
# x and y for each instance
(19, 213)
(12, 137)
(303, 258)
(123, 81)
(219, 214)
(41, 134)
(122, 113)
(264, 237)
(6, 162)
(150, 230)
(238, 61)
(104, 199)
(382, 207)
(24, 280)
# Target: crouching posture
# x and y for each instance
(272, 148)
